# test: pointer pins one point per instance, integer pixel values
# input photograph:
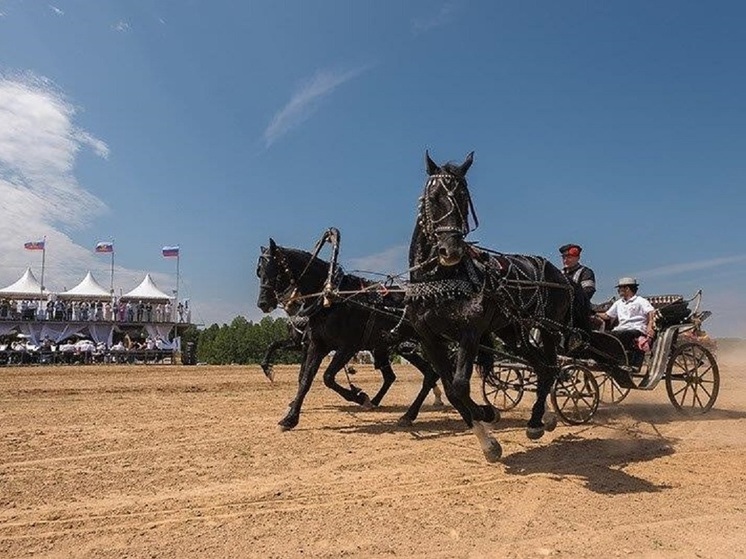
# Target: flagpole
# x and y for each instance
(43, 261)
(111, 288)
(178, 257)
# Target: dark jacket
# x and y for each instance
(583, 276)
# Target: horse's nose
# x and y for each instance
(265, 305)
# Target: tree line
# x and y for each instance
(241, 342)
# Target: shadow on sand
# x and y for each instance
(598, 462)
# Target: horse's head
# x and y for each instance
(445, 207)
(276, 281)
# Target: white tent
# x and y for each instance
(146, 291)
(27, 287)
(88, 288)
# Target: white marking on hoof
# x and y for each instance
(534, 433)
(490, 447)
(494, 453)
(367, 405)
(550, 422)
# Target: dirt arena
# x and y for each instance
(178, 462)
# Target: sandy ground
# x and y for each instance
(181, 462)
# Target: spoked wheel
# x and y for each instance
(609, 390)
(575, 394)
(503, 387)
(692, 379)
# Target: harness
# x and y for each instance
(518, 291)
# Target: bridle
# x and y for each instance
(450, 185)
(292, 295)
(285, 297)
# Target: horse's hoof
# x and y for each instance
(534, 433)
(404, 421)
(286, 424)
(494, 452)
(550, 422)
(438, 403)
(366, 404)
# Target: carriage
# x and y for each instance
(681, 355)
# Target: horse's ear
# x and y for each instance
(467, 163)
(432, 168)
(272, 245)
(263, 249)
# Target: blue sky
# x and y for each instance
(215, 125)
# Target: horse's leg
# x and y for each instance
(437, 395)
(462, 378)
(342, 356)
(482, 416)
(428, 383)
(266, 363)
(546, 370)
(382, 362)
(312, 358)
(437, 354)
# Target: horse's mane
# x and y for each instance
(320, 265)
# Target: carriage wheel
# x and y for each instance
(575, 394)
(692, 379)
(503, 387)
(609, 390)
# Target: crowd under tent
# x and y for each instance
(27, 287)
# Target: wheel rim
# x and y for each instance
(692, 379)
(575, 394)
(503, 387)
(609, 390)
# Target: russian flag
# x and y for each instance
(170, 251)
(104, 247)
(34, 245)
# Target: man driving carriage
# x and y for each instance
(635, 316)
(577, 272)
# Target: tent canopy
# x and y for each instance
(88, 288)
(146, 291)
(27, 287)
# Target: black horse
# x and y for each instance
(458, 293)
(364, 316)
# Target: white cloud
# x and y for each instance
(39, 194)
(121, 26)
(304, 102)
(56, 10)
(676, 269)
(431, 21)
(390, 261)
